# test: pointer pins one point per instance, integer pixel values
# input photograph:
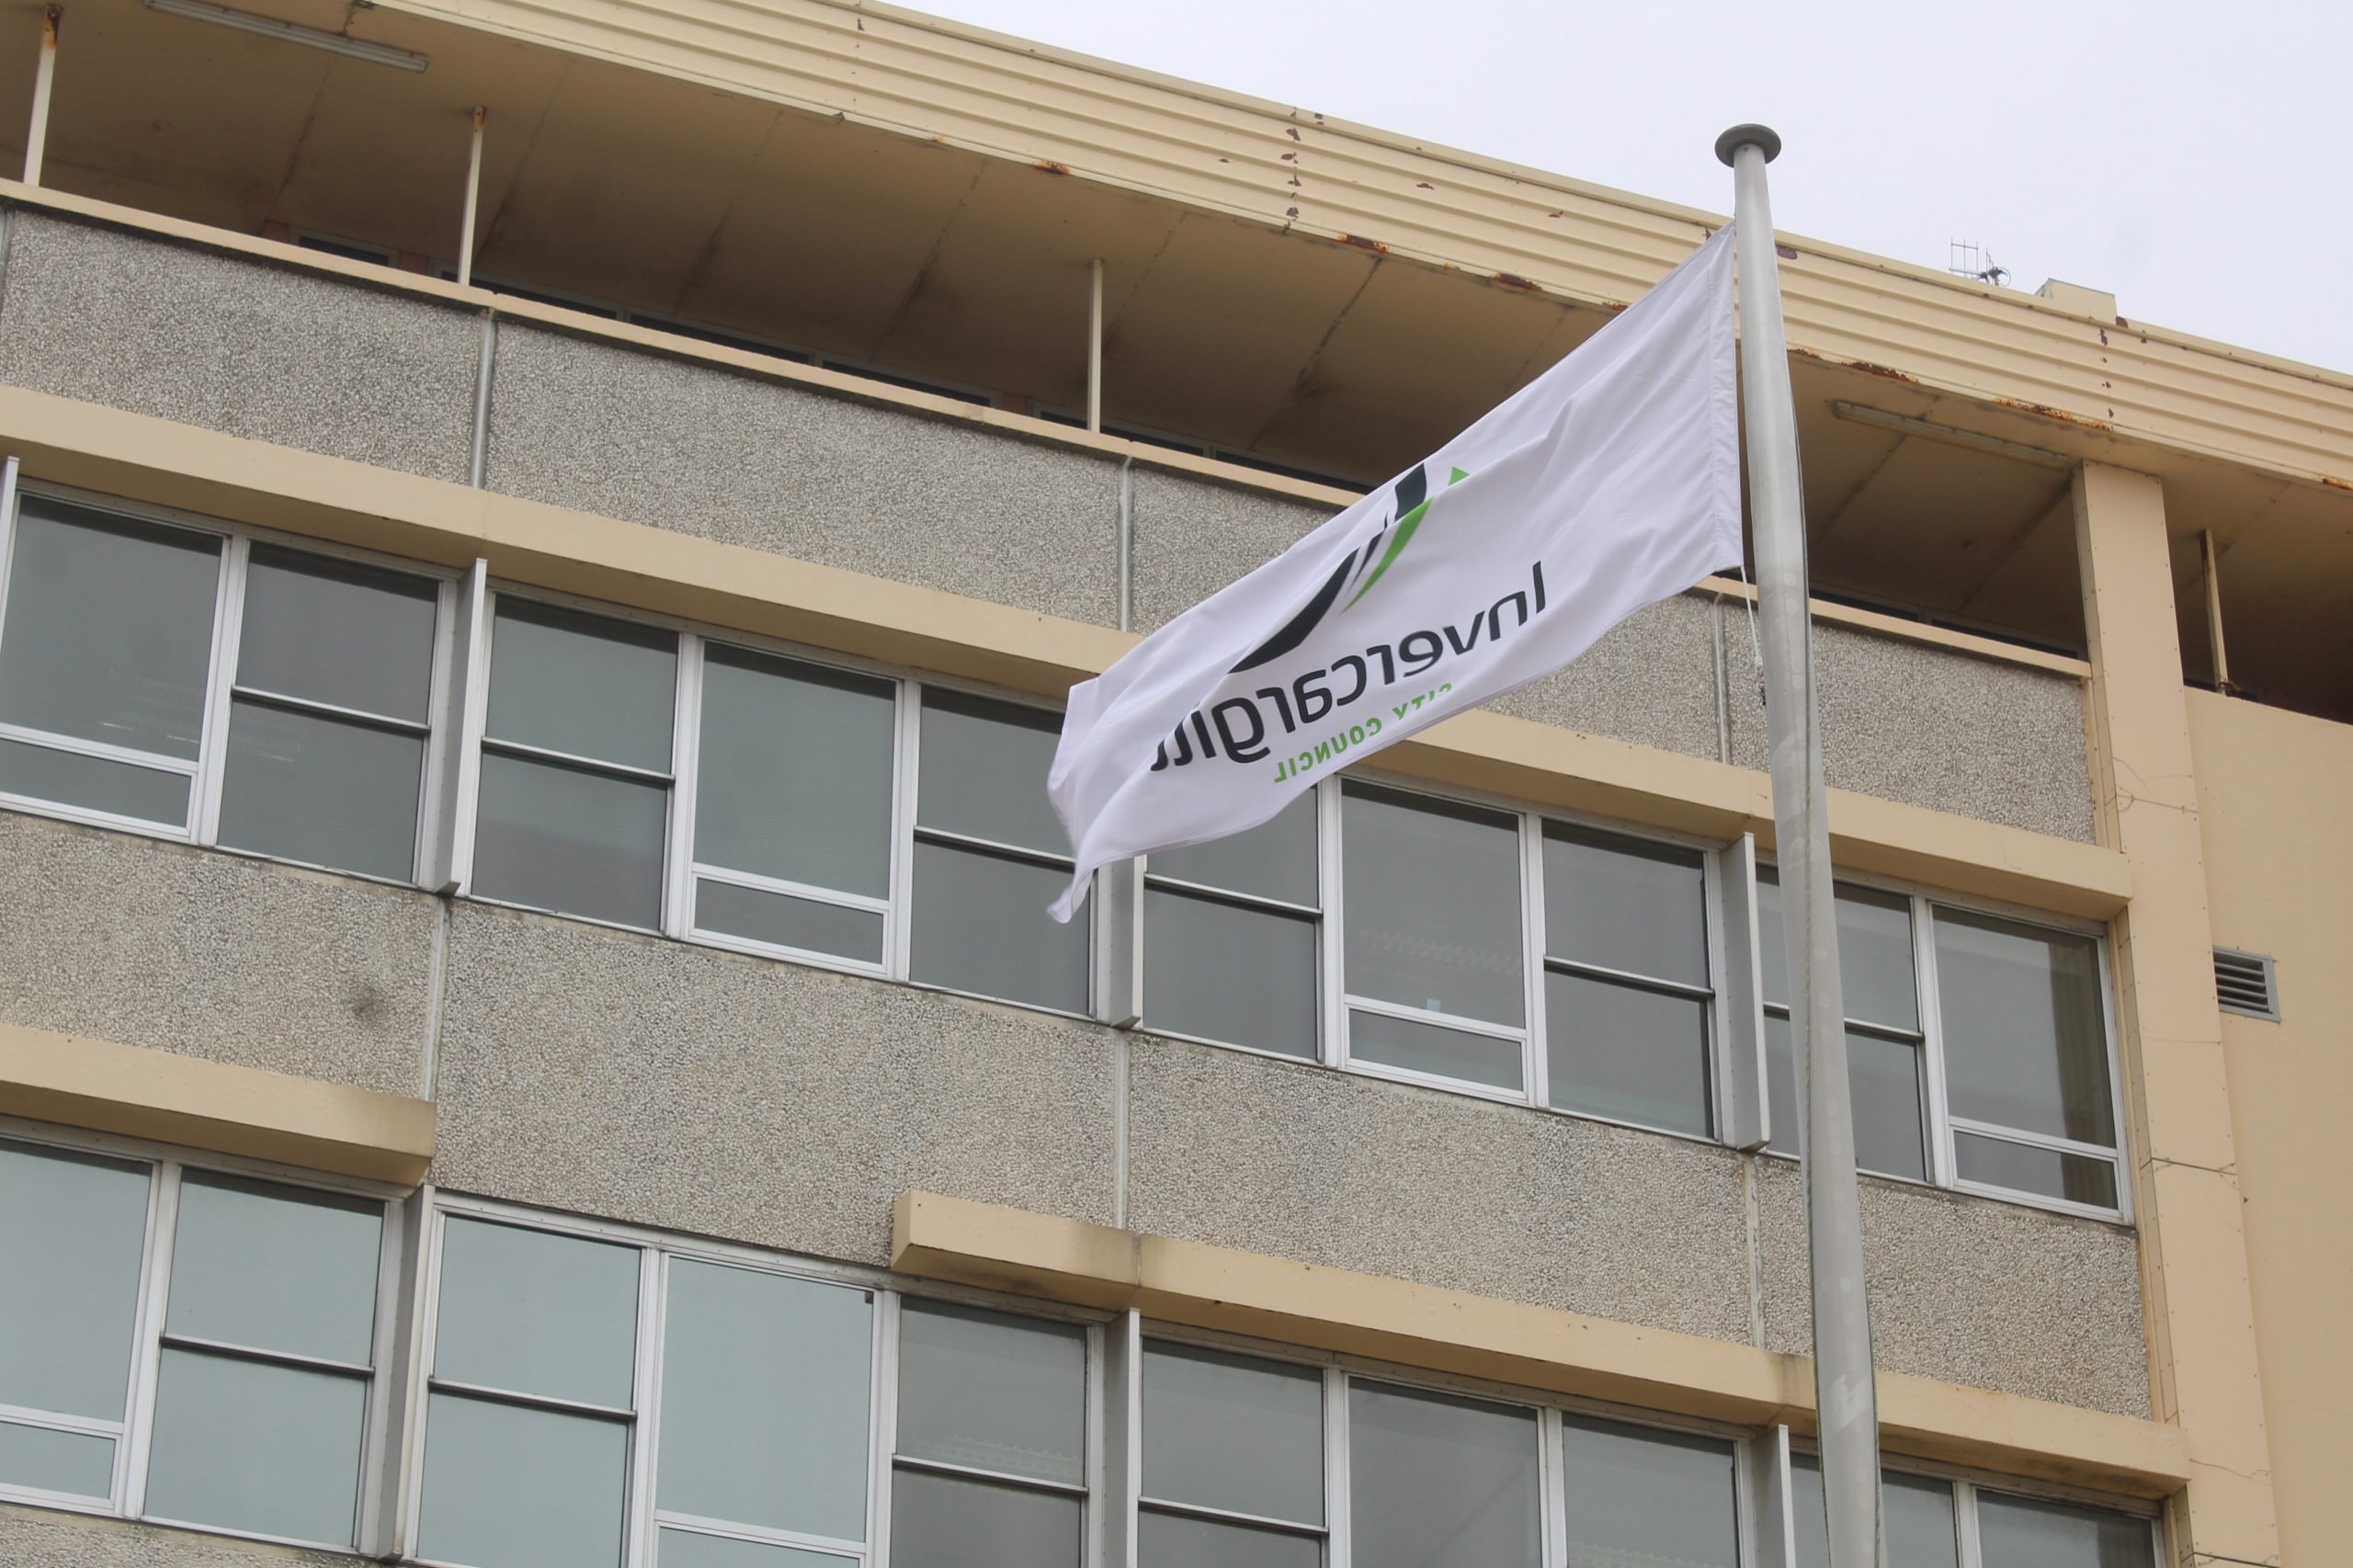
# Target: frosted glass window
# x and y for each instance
(46, 1459)
(690, 1549)
(2028, 1532)
(515, 1486)
(588, 685)
(555, 836)
(324, 792)
(257, 1446)
(782, 920)
(1420, 1047)
(1919, 1515)
(95, 783)
(948, 1521)
(1179, 1540)
(984, 771)
(1625, 903)
(1884, 1079)
(1627, 1053)
(766, 1385)
(1441, 1482)
(1238, 964)
(336, 632)
(271, 1268)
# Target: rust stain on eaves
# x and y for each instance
(1514, 280)
(1362, 244)
(2045, 411)
(2334, 482)
(1048, 166)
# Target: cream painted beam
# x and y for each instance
(2199, 1310)
(139, 1093)
(1540, 1348)
(171, 464)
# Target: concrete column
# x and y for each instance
(2200, 1319)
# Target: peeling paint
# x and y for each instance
(2046, 411)
(1048, 166)
(1514, 280)
(2334, 482)
(1893, 374)
(1363, 244)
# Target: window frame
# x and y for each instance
(642, 1518)
(206, 771)
(386, 1378)
(1939, 1123)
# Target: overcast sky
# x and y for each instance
(2193, 159)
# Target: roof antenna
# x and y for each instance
(1971, 260)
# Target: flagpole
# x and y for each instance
(1845, 1398)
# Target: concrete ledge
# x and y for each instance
(1538, 1348)
(169, 464)
(139, 1093)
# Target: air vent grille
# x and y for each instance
(2244, 984)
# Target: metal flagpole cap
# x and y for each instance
(1761, 137)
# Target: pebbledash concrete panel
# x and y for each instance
(1651, 680)
(215, 955)
(1305, 1162)
(759, 1101)
(1974, 1290)
(230, 344)
(32, 1538)
(648, 439)
(1191, 537)
(1936, 727)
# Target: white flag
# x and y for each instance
(1608, 483)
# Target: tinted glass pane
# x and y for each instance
(334, 631)
(796, 772)
(944, 1521)
(984, 771)
(1232, 1433)
(1432, 1048)
(1638, 1496)
(535, 1312)
(1222, 971)
(781, 920)
(322, 791)
(764, 1392)
(72, 1229)
(1625, 905)
(1433, 905)
(1436, 1481)
(2026, 1532)
(584, 684)
(993, 1393)
(1275, 859)
(1172, 1540)
(579, 843)
(1875, 967)
(1918, 1514)
(1883, 1076)
(980, 925)
(94, 784)
(685, 1549)
(2024, 1045)
(71, 1463)
(108, 629)
(1618, 1050)
(275, 1269)
(273, 1450)
(2050, 1172)
(510, 1487)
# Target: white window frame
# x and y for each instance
(641, 1520)
(1938, 1122)
(133, 1434)
(205, 772)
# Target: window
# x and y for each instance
(225, 1329)
(1640, 1495)
(1230, 933)
(1884, 1036)
(1626, 979)
(792, 807)
(1232, 1462)
(1437, 1478)
(990, 1462)
(990, 855)
(542, 1404)
(1434, 976)
(573, 801)
(2026, 1059)
(1923, 1518)
(306, 740)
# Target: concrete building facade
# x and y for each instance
(528, 1031)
